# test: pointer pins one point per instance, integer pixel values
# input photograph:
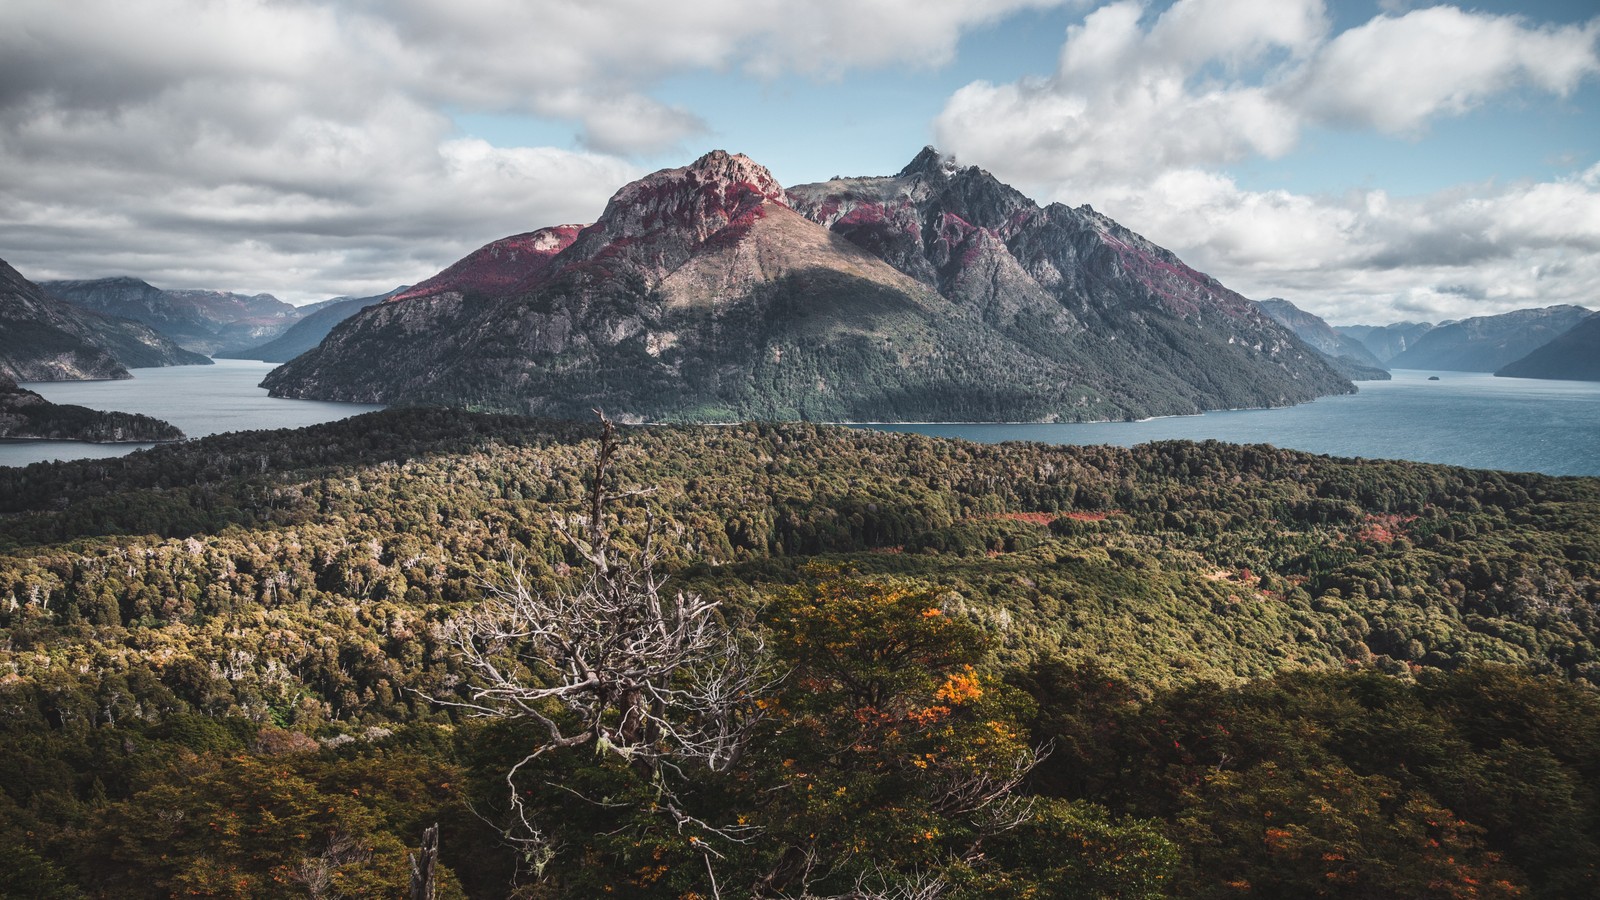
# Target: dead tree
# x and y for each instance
(424, 865)
(615, 662)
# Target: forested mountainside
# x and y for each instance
(227, 668)
(709, 293)
(1574, 356)
(45, 339)
(26, 414)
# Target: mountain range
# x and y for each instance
(709, 292)
(203, 321)
(1487, 343)
(45, 339)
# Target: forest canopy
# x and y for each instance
(1220, 670)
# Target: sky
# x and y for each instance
(1370, 160)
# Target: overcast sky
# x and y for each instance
(1371, 161)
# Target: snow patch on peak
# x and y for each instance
(554, 238)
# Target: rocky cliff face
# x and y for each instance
(1348, 355)
(1488, 343)
(1572, 356)
(710, 292)
(200, 321)
(45, 339)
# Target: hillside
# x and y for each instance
(1488, 343)
(25, 414)
(1349, 356)
(702, 293)
(44, 339)
(1572, 356)
(308, 332)
(1205, 633)
(200, 321)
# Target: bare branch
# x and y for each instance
(616, 661)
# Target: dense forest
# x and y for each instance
(235, 667)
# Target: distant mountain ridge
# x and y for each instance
(1348, 355)
(708, 292)
(46, 339)
(1385, 342)
(202, 321)
(310, 330)
(1572, 356)
(1488, 343)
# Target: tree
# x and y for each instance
(616, 662)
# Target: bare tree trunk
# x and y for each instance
(423, 865)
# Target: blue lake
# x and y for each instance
(201, 400)
(1463, 418)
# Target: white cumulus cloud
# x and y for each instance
(307, 146)
(1145, 111)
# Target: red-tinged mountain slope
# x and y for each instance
(709, 292)
(499, 266)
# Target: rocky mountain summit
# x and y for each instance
(45, 339)
(709, 292)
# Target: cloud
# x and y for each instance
(1126, 100)
(303, 146)
(1397, 73)
(1213, 82)
(1472, 250)
(1144, 110)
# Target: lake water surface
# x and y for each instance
(1465, 419)
(201, 400)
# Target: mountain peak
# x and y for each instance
(680, 207)
(930, 162)
(736, 168)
